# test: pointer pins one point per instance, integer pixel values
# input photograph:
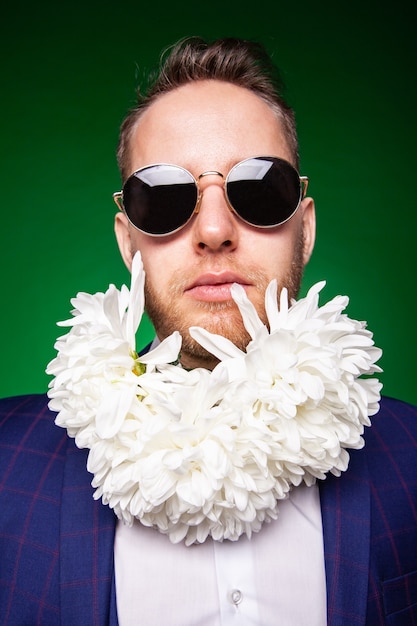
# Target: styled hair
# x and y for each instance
(238, 61)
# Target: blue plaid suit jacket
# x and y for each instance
(56, 542)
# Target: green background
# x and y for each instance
(69, 72)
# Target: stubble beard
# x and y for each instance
(222, 318)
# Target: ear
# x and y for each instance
(309, 227)
(122, 231)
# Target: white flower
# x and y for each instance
(199, 453)
(97, 364)
(306, 370)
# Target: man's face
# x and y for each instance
(205, 126)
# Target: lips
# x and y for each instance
(214, 286)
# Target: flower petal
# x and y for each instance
(217, 345)
(165, 352)
(136, 300)
(247, 310)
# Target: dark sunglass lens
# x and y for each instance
(264, 191)
(160, 199)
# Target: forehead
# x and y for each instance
(207, 124)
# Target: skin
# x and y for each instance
(203, 126)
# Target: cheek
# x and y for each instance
(153, 268)
(274, 252)
(158, 262)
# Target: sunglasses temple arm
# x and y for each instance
(118, 198)
(304, 185)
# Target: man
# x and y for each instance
(343, 552)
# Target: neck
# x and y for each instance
(191, 361)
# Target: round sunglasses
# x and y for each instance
(161, 199)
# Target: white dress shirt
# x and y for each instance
(276, 578)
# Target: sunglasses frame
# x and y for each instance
(118, 195)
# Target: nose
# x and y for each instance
(215, 227)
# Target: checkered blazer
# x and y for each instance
(56, 542)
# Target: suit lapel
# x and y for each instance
(345, 504)
(87, 540)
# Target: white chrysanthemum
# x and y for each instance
(96, 370)
(306, 372)
(199, 453)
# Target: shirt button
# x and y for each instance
(236, 596)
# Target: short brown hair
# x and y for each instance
(237, 61)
